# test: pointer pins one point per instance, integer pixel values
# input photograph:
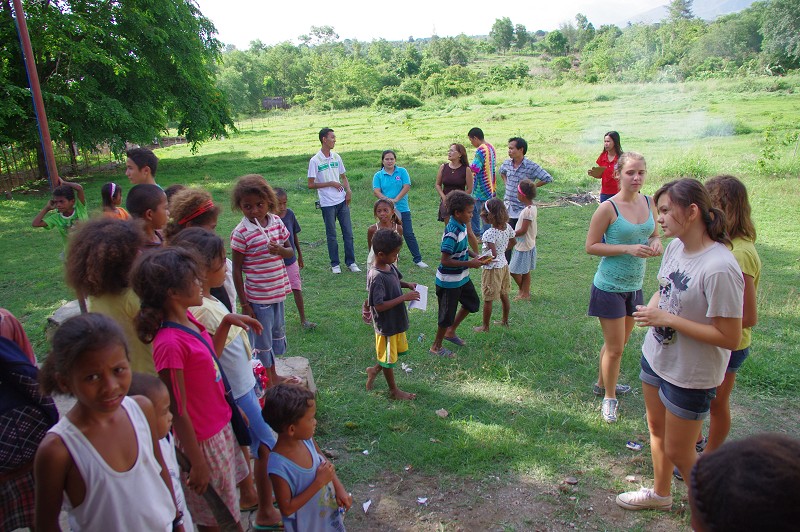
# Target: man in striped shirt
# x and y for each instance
(453, 285)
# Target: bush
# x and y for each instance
(395, 99)
(560, 64)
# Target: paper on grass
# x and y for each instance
(422, 304)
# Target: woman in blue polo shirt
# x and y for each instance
(392, 182)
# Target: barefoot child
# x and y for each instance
(103, 455)
(453, 285)
(152, 388)
(523, 257)
(495, 279)
(168, 282)
(149, 204)
(387, 303)
(111, 194)
(68, 210)
(310, 495)
(383, 210)
(235, 361)
(293, 264)
(259, 244)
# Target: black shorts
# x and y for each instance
(613, 305)
(449, 298)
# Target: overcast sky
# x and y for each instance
(241, 21)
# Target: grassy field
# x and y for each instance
(519, 400)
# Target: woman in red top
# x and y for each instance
(612, 149)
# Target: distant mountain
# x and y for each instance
(705, 9)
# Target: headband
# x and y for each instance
(486, 206)
(204, 208)
(113, 188)
(519, 189)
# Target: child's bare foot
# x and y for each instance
(523, 297)
(267, 517)
(481, 328)
(397, 393)
(371, 374)
(501, 323)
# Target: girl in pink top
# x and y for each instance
(167, 282)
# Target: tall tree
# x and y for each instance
(556, 43)
(680, 10)
(520, 36)
(120, 71)
(502, 33)
(781, 32)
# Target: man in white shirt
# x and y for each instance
(326, 174)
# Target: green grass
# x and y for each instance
(518, 399)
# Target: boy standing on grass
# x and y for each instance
(68, 210)
(453, 285)
(387, 302)
(141, 165)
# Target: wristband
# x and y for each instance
(178, 521)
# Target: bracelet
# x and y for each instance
(178, 521)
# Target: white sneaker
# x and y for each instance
(421, 264)
(354, 268)
(336, 269)
(610, 410)
(644, 499)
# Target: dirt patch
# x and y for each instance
(580, 199)
(494, 503)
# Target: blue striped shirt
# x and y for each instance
(455, 244)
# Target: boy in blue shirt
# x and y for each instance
(453, 285)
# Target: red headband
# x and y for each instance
(205, 207)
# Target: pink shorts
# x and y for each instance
(293, 270)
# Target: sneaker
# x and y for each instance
(701, 445)
(421, 264)
(644, 499)
(621, 389)
(677, 473)
(610, 410)
(336, 269)
(354, 268)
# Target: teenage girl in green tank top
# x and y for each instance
(627, 221)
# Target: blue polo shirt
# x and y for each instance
(391, 184)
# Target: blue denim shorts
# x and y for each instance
(685, 403)
(260, 432)
(737, 359)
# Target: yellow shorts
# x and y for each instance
(494, 283)
(390, 348)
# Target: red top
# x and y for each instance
(609, 184)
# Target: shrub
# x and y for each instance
(395, 99)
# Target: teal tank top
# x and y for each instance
(624, 273)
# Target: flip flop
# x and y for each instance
(456, 340)
(249, 508)
(276, 526)
(443, 352)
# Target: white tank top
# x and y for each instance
(133, 500)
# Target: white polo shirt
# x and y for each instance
(324, 170)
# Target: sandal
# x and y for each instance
(442, 352)
(456, 340)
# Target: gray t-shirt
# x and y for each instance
(385, 286)
(697, 287)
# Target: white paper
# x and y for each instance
(422, 304)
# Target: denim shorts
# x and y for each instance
(260, 432)
(685, 403)
(613, 305)
(737, 359)
(272, 340)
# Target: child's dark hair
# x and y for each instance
(285, 404)
(108, 192)
(495, 212)
(64, 191)
(615, 139)
(324, 133)
(78, 335)
(256, 185)
(280, 192)
(206, 246)
(142, 157)
(527, 188)
(730, 195)
(172, 190)
(386, 241)
(458, 200)
(685, 192)
(100, 255)
(750, 484)
(143, 198)
(190, 207)
(390, 203)
(156, 274)
(148, 385)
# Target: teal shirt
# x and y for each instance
(624, 273)
(392, 184)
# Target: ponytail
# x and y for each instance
(685, 192)
(715, 225)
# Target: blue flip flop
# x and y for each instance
(456, 340)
